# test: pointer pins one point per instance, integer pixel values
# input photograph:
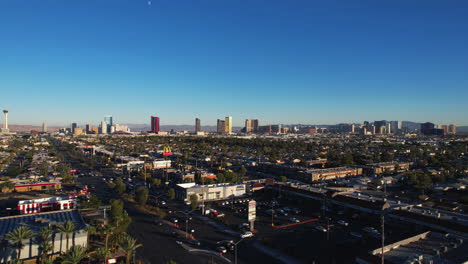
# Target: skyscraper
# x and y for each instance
(251, 125)
(228, 124)
(378, 126)
(73, 127)
(197, 125)
(103, 128)
(427, 128)
(452, 129)
(89, 128)
(44, 127)
(220, 126)
(109, 121)
(154, 124)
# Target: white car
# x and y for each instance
(246, 235)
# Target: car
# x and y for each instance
(356, 234)
(162, 202)
(187, 202)
(174, 220)
(294, 220)
(244, 225)
(343, 223)
(247, 234)
(221, 249)
(193, 242)
(321, 228)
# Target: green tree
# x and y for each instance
(157, 182)
(45, 247)
(90, 230)
(120, 187)
(74, 255)
(108, 231)
(18, 235)
(101, 255)
(128, 246)
(171, 193)
(141, 195)
(193, 201)
(67, 228)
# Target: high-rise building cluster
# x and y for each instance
(105, 127)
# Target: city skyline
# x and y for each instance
(307, 62)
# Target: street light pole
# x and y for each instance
(235, 250)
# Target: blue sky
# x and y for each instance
(281, 61)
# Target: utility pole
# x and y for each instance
(383, 237)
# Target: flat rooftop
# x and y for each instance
(36, 221)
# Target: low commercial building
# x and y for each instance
(47, 204)
(36, 222)
(161, 164)
(381, 167)
(333, 173)
(38, 186)
(210, 192)
(428, 247)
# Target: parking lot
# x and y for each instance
(305, 229)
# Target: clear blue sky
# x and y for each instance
(281, 61)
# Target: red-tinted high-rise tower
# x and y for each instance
(154, 124)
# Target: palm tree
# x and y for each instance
(90, 230)
(102, 254)
(18, 235)
(129, 245)
(67, 228)
(108, 231)
(74, 255)
(45, 247)
(45, 233)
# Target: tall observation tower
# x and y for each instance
(5, 122)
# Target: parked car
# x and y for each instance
(294, 220)
(321, 228)
(247, 234)
(221, 249)
(343, 223)
(193, 242)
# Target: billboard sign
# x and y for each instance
(252, 212)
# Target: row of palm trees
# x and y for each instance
(76, 253)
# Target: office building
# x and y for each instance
(154, 124)
(251, 125)
(444, 128)
(220, 126)
(452, 129)
(73, 127)
(380, 126)
(103, 128)
(109, 121)
(197, 125)
(78, 131)
(228, 124)
(44, 127)
(89, 128)
(5, 128)
(428, 129)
